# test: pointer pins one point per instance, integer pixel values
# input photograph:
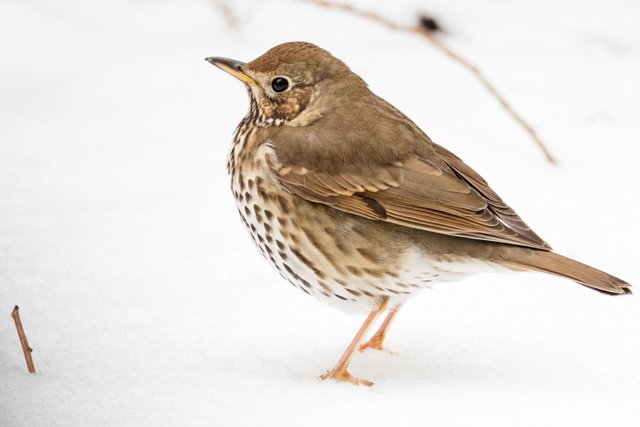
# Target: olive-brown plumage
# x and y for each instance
(353, 203)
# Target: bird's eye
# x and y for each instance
(279, 84)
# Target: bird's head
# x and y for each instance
(294, 83)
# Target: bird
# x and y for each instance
(354, 204)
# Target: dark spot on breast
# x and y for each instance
(324, 286)
(342, 248)
(253, 228)
(282, 221)
(338, 240)
(315, 241)
(368, 255)
(267, 228)
(354, 292)
(374, 273)
(284, 204)
(305, 283)
(340, 282)
(354, 270)
(308, 263)
(289, 270)
(250, 183)
(282, 255)
(247, 211)
(268, 214)
(340, 297)
(280, 245)
(294, 239)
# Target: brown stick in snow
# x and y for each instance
(437, 42)
(23, 340)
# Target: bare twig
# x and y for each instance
(227, 12)
(437, 42)
(23, 340)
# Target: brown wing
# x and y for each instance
(412, 182)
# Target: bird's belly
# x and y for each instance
(346, 261)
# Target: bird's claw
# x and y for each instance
(342, 375)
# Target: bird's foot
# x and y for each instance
(341, 374)
(374, 343)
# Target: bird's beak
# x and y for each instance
(232, 67)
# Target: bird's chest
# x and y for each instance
(253, 188)
(265, 208)
(257, 202)
(269, 214)
(318, 250)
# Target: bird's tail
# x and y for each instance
(549, 262)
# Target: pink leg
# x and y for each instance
(375, 342)
(340, 372)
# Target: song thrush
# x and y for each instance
(353, 203)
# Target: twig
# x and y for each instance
(437, 42)
(227, 12)
(23, 340)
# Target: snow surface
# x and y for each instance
(144, 299)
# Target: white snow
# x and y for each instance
(145, 300)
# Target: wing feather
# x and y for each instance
(417, 194)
